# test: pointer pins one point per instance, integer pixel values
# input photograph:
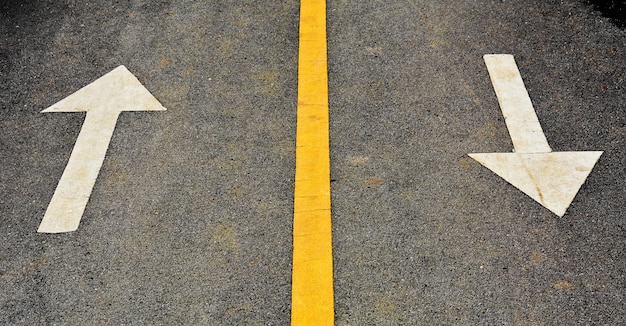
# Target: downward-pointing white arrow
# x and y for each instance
(103, 100)
(550, 178)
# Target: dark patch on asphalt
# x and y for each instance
(614, 9)
(13, 9)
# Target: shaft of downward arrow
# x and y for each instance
(72, 193)
(519, 114)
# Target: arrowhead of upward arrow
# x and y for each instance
(118, 90)
(550, 178)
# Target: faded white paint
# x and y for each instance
(550, 178)
(103, 100)
(519, 114)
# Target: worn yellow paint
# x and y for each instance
(312, 301)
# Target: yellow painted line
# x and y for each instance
(312, 298)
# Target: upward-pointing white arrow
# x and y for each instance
(550, 178)
(103, 100)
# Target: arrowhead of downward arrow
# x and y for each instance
(119, 90)
(552, 179)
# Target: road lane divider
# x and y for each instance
(312, 301)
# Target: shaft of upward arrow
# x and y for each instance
(71, 195)
(519, 114)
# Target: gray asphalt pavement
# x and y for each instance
(190, 219)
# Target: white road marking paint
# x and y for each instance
(103, 100)
(518, 111)
(550, 178)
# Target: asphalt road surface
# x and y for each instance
(190, 219)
